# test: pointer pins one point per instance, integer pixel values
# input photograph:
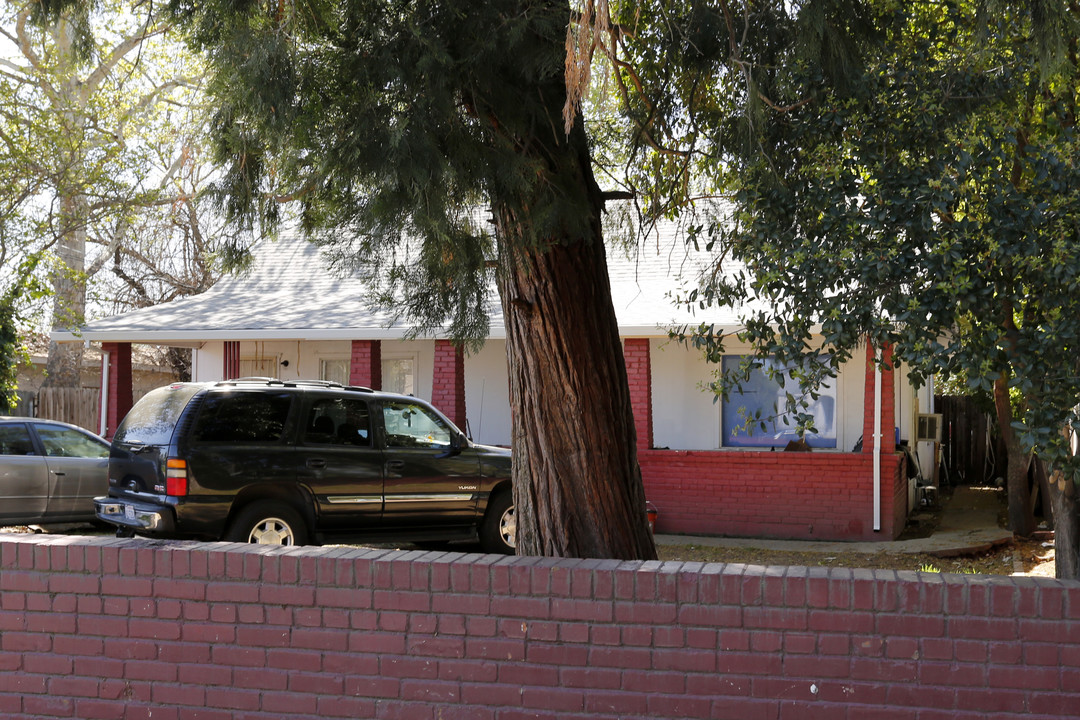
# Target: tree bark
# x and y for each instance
(1021, 517)
(64, 365)
(1066, 527)
(577, 484)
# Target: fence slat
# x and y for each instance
(78, 406)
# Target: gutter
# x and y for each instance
(877, 440)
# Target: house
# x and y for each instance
(291, 317)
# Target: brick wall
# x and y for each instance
(365, 364)
(138, 629)
(448, 382)
(811, 496)
(639, 377)
(116, 360)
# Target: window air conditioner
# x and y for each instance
(928, 427)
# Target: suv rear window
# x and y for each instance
(256, 417)
(152, 420)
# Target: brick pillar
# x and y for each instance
(116, 358)
(448, 386)
(365, 368)
(231, 364)
(888, 411)
(639, 374)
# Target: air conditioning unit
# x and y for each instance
(928, 427)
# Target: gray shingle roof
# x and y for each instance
(291, 293)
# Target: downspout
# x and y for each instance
(877, 440)
(103, 421)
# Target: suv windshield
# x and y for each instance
(153, 418)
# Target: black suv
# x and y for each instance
(283, 463)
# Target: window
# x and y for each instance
(15, 440)
(399, 375)
(65, 442)
(412, 425)
(339, 421)
(762, 394)
(242, 417)
(334, 370)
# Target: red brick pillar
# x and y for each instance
(116, 367)
(888, 411)
(448, 386)
(231, 363)
(639, 374)
(365, 368)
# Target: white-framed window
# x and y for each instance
(762, 397)
(399, 374)
(259, 367)
(334, 370)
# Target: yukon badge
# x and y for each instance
(468, 487)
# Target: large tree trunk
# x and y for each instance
(1021, 517)
(64, 365)
(577, 484)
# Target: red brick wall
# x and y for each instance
(140, 630)
(118, 394)
(639, 376)
(448, 388)
(365, 365)
(813, 496)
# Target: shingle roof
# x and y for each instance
(291, 293)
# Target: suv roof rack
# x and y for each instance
(293, 383)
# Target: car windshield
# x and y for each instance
(152, 420)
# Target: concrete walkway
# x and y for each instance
(968, 525)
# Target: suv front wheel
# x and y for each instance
(268, 522)
(498, 534)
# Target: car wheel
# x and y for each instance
(498, 534)
(268, 523)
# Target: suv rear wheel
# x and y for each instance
(268, 522)
(498, 534)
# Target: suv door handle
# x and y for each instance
(316, 463)
(395, 464)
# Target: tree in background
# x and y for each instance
(919, 188)
(101, 127)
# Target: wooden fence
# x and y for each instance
(78, 406)
(972, 452)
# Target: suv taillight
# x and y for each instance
(176, 480)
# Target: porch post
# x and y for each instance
(231, 361)
(448, 386)
(365, 366)
(639, 375)
(117, 392)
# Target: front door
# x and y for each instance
(428, 483)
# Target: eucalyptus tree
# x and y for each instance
(91, 92)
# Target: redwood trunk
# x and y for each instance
(1021, 518)
(577, 485)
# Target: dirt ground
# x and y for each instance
(1034, 557)
(1022, 557)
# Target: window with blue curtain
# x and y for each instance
(760, 393)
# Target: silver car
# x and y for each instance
(49, 471)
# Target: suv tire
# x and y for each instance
(498, 534)
(268, 522)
